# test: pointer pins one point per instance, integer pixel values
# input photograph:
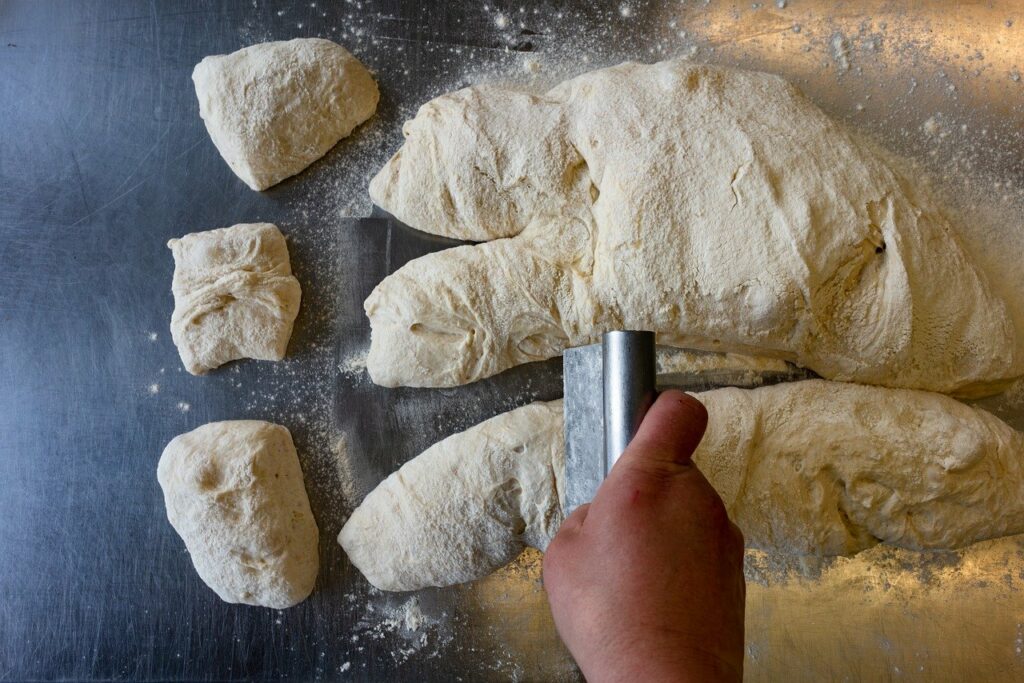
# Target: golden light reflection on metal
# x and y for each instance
(884, 614)
(885, 66)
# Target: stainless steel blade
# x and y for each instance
(583, 409)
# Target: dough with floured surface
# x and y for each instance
(235, 495)
(234, 295)
(811, 467)
(465, 506)
(274, 108)
(717, 207)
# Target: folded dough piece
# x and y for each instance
(719, 208)
(812, 467)
(234, 493)
(273, 109)
(465, 506)
(234, 295)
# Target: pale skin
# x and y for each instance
(646, 582)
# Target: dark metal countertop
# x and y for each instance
(103, 158)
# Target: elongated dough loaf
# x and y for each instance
(719, 208)
(808, 467)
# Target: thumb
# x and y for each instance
(670, 432)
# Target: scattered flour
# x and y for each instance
(405, 626)
(346, 475)
(412, 616)
(354, 366)
(840, 52)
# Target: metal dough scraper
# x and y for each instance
(608, 388)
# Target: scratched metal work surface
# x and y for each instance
(103, 158)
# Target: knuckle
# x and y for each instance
(653, 474)
(554, 548)
(550, 564)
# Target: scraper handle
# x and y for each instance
(629, 388)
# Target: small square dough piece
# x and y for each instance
(234, 295)
(273, 109)
(234, 493)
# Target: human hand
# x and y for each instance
(646, 582)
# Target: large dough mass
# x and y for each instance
(234, 493)
(273, 109)
(719, 208)
(806, 467)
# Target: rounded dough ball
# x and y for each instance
(234, 493)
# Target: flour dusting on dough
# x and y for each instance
(852, 269)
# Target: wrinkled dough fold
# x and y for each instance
(234, 295)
